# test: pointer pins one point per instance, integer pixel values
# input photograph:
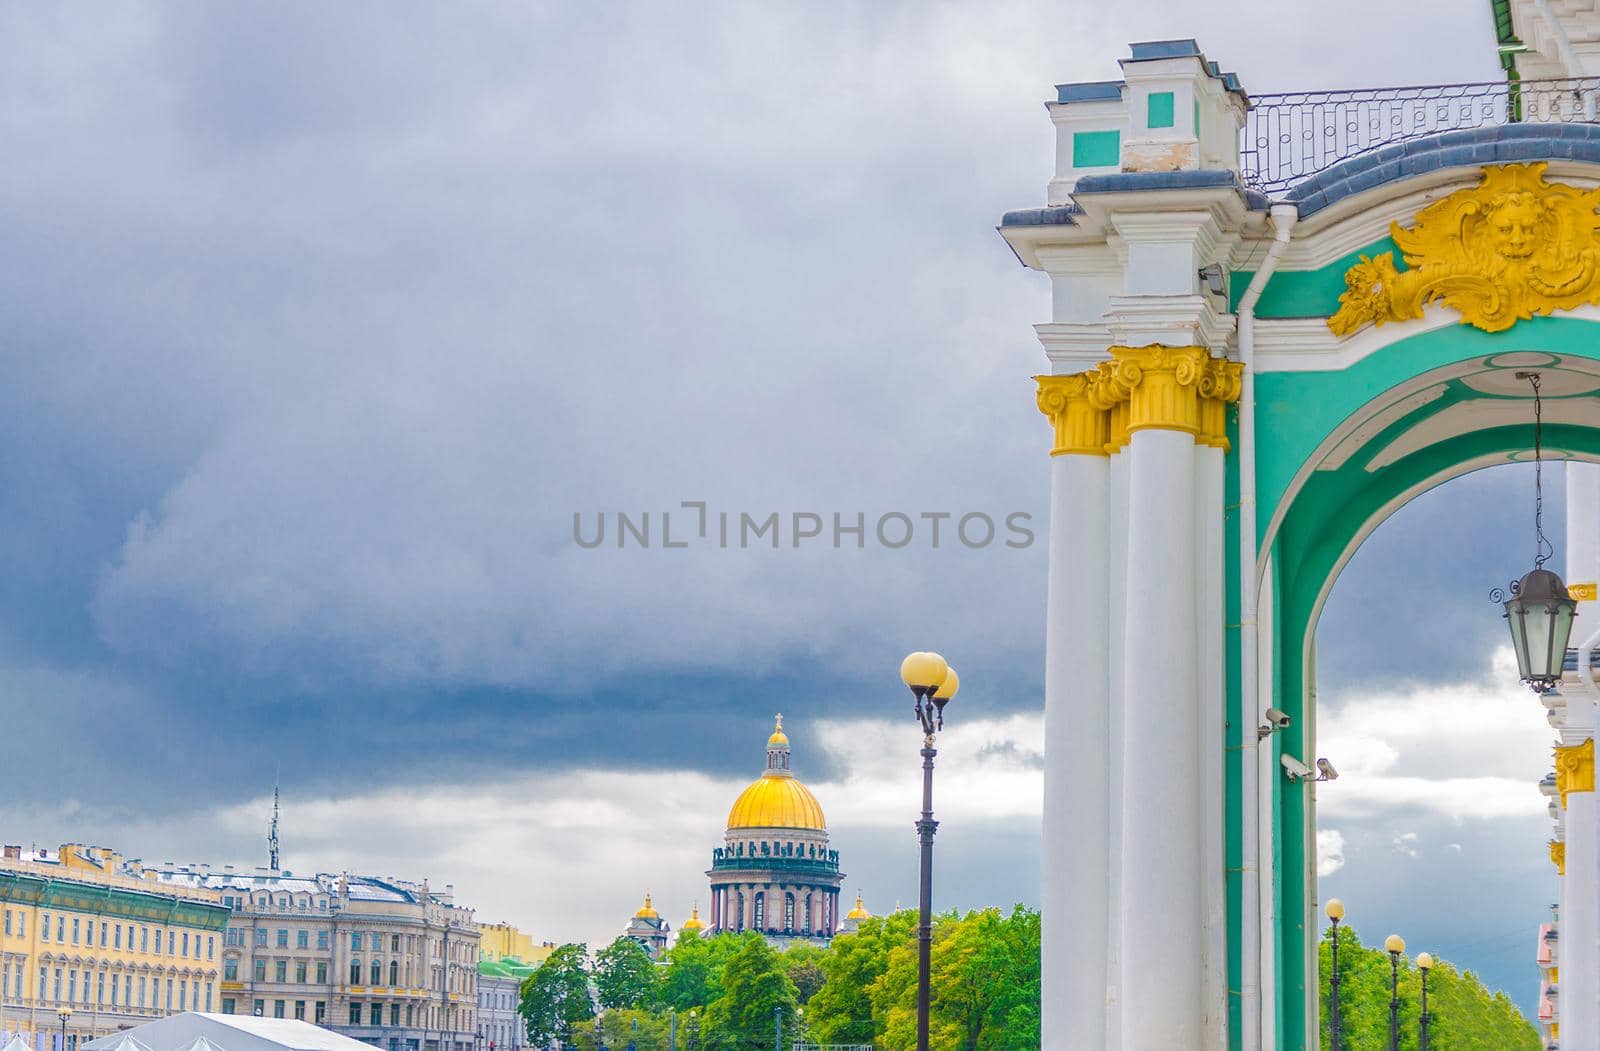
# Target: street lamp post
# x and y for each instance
(1424, 964)
(1394, 945)
(1335, 911)
(64, 1014)
(933, 682)
(694, 1028)
(777, 1027)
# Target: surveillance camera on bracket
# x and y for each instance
(1276, 721)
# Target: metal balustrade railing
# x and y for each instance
(1293, 135)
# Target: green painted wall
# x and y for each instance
(1307, 293)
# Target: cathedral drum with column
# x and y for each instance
(774, 872)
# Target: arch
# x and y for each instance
(1429, 405)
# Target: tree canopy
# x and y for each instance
(625, 976)
(1464, 1014)
(555, 997)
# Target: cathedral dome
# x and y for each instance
(776, 799)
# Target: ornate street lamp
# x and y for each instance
(1335, 911)
(1539, 611)
(933, 682)
(1425, 964)
(64, 1014)
(1394, 945)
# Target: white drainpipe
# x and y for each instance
(1253, 903)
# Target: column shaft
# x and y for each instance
(1075, 878)
(1579, 944)
(1162, 951)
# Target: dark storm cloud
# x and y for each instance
(322, 322)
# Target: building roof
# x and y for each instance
(230, 1033)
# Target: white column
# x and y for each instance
(1579, 943)
(1118, 608)
(1162, 950)
(1076, 857)
(1210, 615)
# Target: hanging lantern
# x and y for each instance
(1539, 611)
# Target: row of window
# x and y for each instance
(64, 986)
(76, 930)
(301, 903)
(359, 1014)
(320, 1011)
(359, 940)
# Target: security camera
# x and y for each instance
(1328, 772)
(1297, 770)
(1276, 720)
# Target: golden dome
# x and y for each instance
(777, 800)
(647, 911)
(693, 922)
(859, 912)
(779, 739)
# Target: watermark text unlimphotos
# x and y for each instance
(694, 524)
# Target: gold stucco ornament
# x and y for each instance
(1500, 252)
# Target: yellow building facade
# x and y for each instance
(502, 941)
(89, 945)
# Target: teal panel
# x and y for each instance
(1160, 110)
(1096, 149)
(1308, 293)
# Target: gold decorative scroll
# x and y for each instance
(1558, 855)
(1574, 769)
(1500, 252)
(1166, 388)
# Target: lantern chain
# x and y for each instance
(1542, 547)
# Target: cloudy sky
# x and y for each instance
(321, 323)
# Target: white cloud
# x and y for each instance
(1474, 749)
(1330, 851)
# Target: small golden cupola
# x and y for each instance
(647, 911)
(859, 912)
(693, 925)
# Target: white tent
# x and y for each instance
(18, 1044)
(193, 1031)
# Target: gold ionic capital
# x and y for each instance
(1082, 424)
(1574, 769)
(1163, 385)
(1219, 384)
(1155, 387)
(1558, 855)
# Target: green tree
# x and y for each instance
(693, 975)
(1465, 1015)
(803, 965)
(984, 984)
(841, 1011)
(555, 997)
(623, 1029)
(754, 989)
(624, 975)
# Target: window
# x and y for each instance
(261, 937)
(377, 942)
(377, 972)
(183, 994)
(116, 937)
(300, 1010)
(260, 1008)
(230, 969)
(277, 1008)
(158, 943)
(302, 939)
(227, 899)
(394, 972)
(72, 986)
(394, 1014)
(261, 970)
(228, 1005)
(22, 930)
(100, 988)
(355, 972)
(113, 990)
(355, 941)
(170, 937)
(283, 938)
(355, 1014)
(322, 973)
(321, 1012)
(74, 930)
(211, 946)
(322, 939)
(280, 972)
(127, 989)
(44, 931)
(761, 911)
(185, 943)
(169, 994)
(394, 943)
(142, 982)
(8, 923)
(208, 996)
(105, 933)
(144, 940)
(283, 903)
